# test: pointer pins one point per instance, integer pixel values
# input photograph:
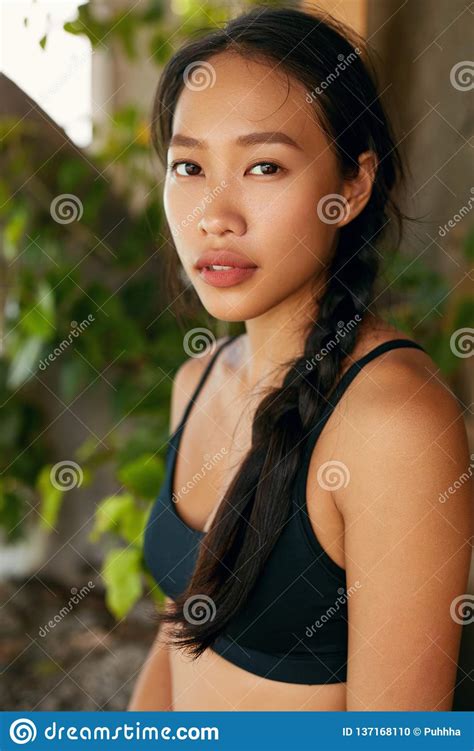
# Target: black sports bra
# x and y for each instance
(293, 626)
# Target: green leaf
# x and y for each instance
(123, 580)
(50, 498)
(143, 476)
(87, 24)
(35, 324)
(39, 320)
(14, 231)
(107, 515)
(25, 362)
(120, 514)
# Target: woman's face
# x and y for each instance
(260, 197)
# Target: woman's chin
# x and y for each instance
(224, 313)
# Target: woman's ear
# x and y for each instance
(357, 190)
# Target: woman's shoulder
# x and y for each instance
(399, 416)
(396, 376)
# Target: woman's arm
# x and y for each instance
(153, 688)
(408, 518)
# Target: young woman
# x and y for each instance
(306, 559)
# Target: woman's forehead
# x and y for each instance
(227, 96)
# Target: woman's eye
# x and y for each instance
(189, 169)
(265, 166)
(173, 167)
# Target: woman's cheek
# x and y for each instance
(179, 215)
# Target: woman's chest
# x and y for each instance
(211, 450)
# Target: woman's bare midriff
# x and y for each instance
(212, 683)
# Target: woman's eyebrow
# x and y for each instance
(271, 136)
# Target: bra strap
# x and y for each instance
(202, 381)
(344, 382)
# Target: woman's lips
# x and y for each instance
(226, 277)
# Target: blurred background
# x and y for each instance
(89, 341)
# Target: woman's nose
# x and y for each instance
(221, 223)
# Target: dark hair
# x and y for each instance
(327, 58)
